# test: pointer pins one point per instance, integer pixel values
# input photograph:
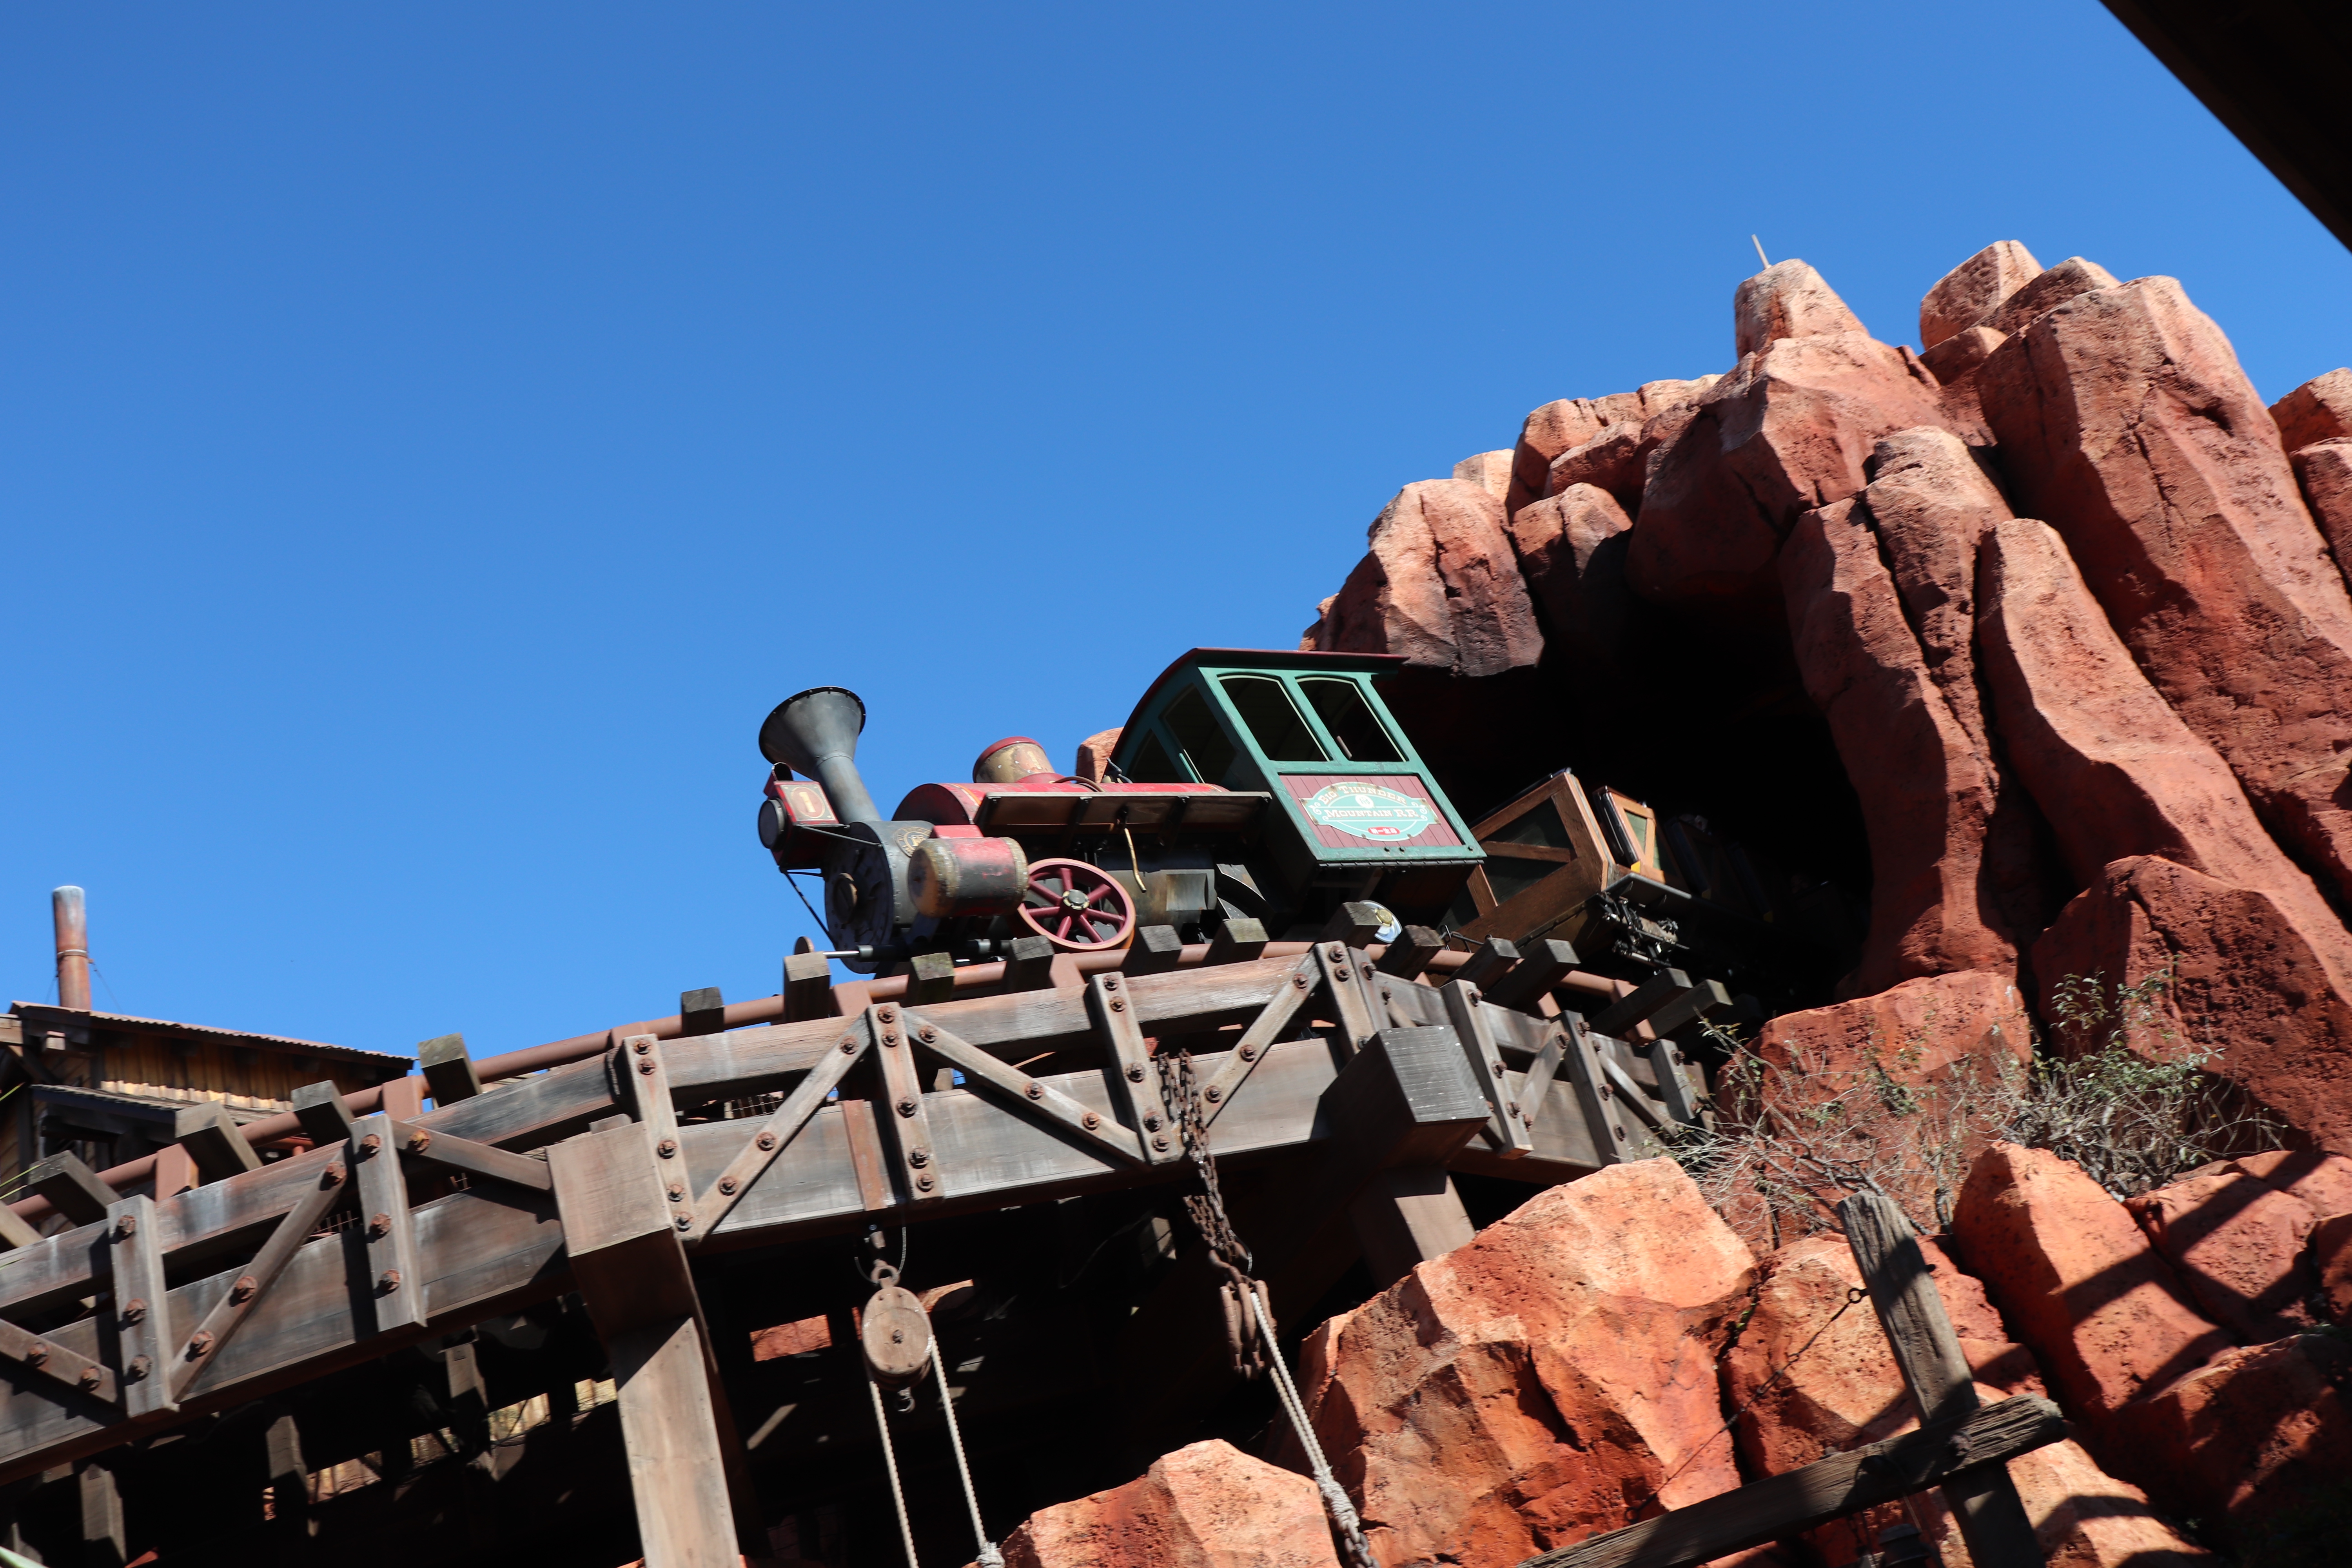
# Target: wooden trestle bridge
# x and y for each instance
(1364, 1076)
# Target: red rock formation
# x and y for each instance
(2125, 422)
(2242, 983)
(2324, 468)
(2116, 771)
(2259, 1433)
(2324, 1181)
(1973, 290)
(1208, 1506)
(2318, 410)
(1491, 471)
(1612, 460)
(1787, 301)
(1571, 553)
(2237, 1243)
(1571, 421)
(2331, 1264)
(1541, 1382)
(2078, 1282)
(1787, 431)
(1809, 1396)
(1929, 504)
(1933, 1034)
(1928, 793)
(1441, 586)
(2046, 291)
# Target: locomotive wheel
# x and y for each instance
(1076, 907)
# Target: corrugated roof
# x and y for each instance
(44, 1017)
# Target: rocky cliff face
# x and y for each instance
(2050, 616)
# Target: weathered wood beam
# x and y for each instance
(210, 1135)
(395, 1284)
(1781, 1506)
(448, 1071)
(1991, 1515)
(72, 1188)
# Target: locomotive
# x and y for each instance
(1271, 785)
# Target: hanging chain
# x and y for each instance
(1249, 1326)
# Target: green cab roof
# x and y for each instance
(1264, 659)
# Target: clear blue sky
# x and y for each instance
(431, 437)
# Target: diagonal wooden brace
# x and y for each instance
(232, 1310)
(781, 1126)
(1271, 1021)
(1029, 1097)
(1504, 1132)
(52, 1360)
(1536, 1083)
(1129, 1065)
(902, 1111)
(474, 1159)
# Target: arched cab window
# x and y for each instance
(1272, 719)
(1340, 704)
(1199, 735)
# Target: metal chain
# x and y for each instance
(1225, 1249)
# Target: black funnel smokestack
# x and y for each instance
(816, 733)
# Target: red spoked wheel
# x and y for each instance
(1076, 907)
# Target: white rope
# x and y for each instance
(989, 1556)
(1336, 1501)
(890, 1460)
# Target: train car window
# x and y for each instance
(1341, 705)
(1541, 829)
(1509, 878)
(1272, 719)
(1152, 763)
(1195, 729)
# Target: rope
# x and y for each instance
(890, 1462)
(989, 1556)
(1335, 1501)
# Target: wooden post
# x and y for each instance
(396, 1281)
(1411, 952)
(209, 1133)
(1407, 1211)
(1237, 941)
(701, 1012)
(140, 1309)
(632, 1270)
(289, 1479)
(448, 1070)
(104, 1544)
(808, 986)
(1991, 1516)
(72, 1188)
(1407, 1216)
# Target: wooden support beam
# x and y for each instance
(808, 986)
(1357, 924)
(1504, 1132)
(1029, 964)
(1682, 1102)
(773, 1134)
(1154, 951)
(1774, 1509)
(1349, 993)
(1585, 1060)
(1035, 1100)
(59, 1363)
(900, 1112)
(15, 1231)
(1620, 1016)
(1991, 1516)
(104, 1542)
(72, 1188)
(1410, 954)
(1283, 998)
(454, 1153)
(327, 1185)
(448, 1070)
(1128, 1060)
(701, 1012)
(175, 1173)
(1493, 959)
(1237, 941)
(140, 1309)
(1540, 968)
(395, 1282)
(325, 1118)
(930, 979)
(1408, 1215)
(289, 1479)
(210, 1135)
(469, 1396)
(631, 1271)
(1688, 1009)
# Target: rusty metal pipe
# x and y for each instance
(743, 1015)
(68, 913)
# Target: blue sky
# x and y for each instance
(431, 438)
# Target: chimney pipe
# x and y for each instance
(72, 923)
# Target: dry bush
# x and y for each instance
(1791, 1142)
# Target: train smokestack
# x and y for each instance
(816, 733)
(72, 921)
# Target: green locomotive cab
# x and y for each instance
(1356, 815)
